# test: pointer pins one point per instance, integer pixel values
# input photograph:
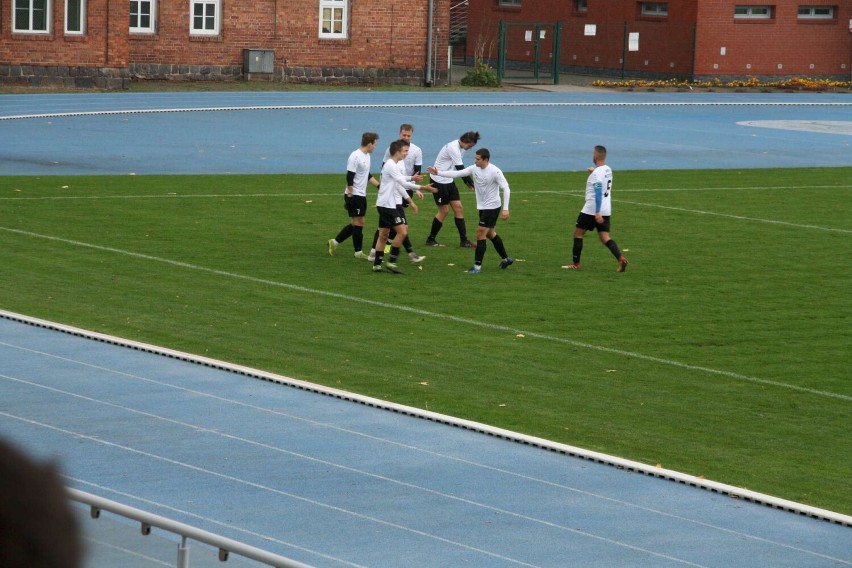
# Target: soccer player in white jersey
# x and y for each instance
(447, 196)
(411, 166)
(355, 195)
(488, 180)
(596, 212)
(391, 216)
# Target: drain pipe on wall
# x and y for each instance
(429, 44)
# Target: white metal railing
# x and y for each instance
(147, 520)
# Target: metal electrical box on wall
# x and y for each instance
(259, 61)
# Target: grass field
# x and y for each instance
(722, 352)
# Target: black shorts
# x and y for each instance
(410, 193)
(446, 192)
(488, 217)
(587, 222)
(389, 218)
(356, 206)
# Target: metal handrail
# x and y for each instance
(225, 545)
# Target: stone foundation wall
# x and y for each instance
(64, 76)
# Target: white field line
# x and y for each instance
(738, 217)
(421, 105)
(436, 315)
(335, 195)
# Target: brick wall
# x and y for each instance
(781, 46)
(386, 43)
(685, 43)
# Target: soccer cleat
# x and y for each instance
(467, 244)
(416, 259)
(474, 270)
(433, 243)
(372, 256)
(575, 266)
(506, 263)
(622, 264)
(392, 267)
(377, 268)
(331, 246)
(360, 254)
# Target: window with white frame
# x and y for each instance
(516, 3)
(204, 18)
(816, 12)
(143, 14)
(654, 8)
(75, 17)
(31, 16)
(581, 6)
(753, 12)
(333, 20)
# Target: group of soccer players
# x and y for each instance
(400, 182)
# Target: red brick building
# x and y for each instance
(105, 43)
(698, 39)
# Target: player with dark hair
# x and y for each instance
(596, 211)
(391, 216)
(488, 180)
(447, 196)
(355, 194)
(411, 167)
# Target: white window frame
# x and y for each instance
(152, 24)
(658, 9)
(81, 15)
(206, 6)
(31, 8)
(333, 11)
(753, 12)
(817, 12)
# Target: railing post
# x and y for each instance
(183, 554)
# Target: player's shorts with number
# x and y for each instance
(356, 206)
(389, 218)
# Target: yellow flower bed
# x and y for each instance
(794, 84)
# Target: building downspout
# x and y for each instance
(429, 43)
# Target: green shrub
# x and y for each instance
(482, 75)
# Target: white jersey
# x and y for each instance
(393, 185)
(599, 183)
(359, 162)
(414, 158)
(448, 158)
(487, 182)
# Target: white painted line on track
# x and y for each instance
(423, 105)
(574, 451)
(100, 440)
(330, 426)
